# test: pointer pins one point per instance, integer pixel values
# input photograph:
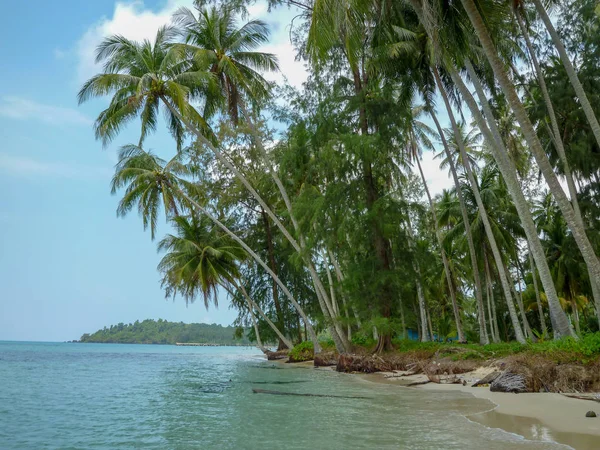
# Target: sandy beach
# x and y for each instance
(535, 416)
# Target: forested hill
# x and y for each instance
(164, 332)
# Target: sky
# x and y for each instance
(68, 265)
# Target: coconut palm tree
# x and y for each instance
(214, 38)
(529, 134)
(141, 76)
(161, 183)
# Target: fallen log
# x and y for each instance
(487, 379)
(417, 383)
(268, 391)
(583, 397)
(509, 382)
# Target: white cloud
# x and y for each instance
(25, 166)
(135, 21)
(24, 109)
(59, 54)
(437, 179)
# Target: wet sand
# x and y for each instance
(543, 417)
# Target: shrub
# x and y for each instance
(304, 351)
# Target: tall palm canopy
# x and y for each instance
(214, 40)
(316, 212)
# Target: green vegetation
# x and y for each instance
(163, 332)
(304, 351)
(310, 206)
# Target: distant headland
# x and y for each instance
(164, 332)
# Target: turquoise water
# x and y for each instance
(111, 396)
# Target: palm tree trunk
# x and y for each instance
(575, 314)
(402, 319)
(305, 255)
(490, 294)
(271, 253)
(509, 173)
(340, 278)
(544, 165)
(418, 282)
(483, 339)
(557, 138)
(264, 265)
(288, 236)
(455, 309)
(252, 304)
(517, 295)
(431, 333)
(571, 72)
(537, 294)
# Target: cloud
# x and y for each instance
(437, 179)
(59, 54)
(137, 22)
(26, 166)
(23, 109)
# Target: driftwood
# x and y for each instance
(487, 379)
(509, 382)
(417, 383)
(268, 391)
(584, 397)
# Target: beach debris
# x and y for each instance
(487, 379)
(280, 354)
(594, 397)
(268, 391)
(325, 359)
(590, 414)
(509, 382)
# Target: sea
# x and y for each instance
(121, 396)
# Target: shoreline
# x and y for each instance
(545, 417)
(537, 417)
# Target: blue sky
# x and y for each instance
(67, 264)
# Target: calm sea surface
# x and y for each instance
(111, 396)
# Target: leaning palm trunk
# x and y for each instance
(420, 294)
(338, 274)
(484, 218)
(509, 174)
(264, 265)
(318, 285)
(538, 300)
(519, 300)
(490, 301)
(483, 337)
(571, 73)
(254, 305)
(254, 322)
(558, 142)
(544, 165)
(342, 343)
(455, 310)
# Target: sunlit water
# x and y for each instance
(111, 396)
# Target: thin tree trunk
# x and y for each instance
(271, 253)
(340, 278)
(402, 319)
(455, 309)
(557, 138)
(254, 305)
(544, 165)
(418, 282)
(517, 295)
(264, 265)
(431, 333)
(537, 294)
(490, 294)
(219, 155)
(465, 217)
(509, 173)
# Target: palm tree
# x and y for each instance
(417, 137)
(544, 164)
(198, 259)
(141, 75)
(214, 38)
(160, 181)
